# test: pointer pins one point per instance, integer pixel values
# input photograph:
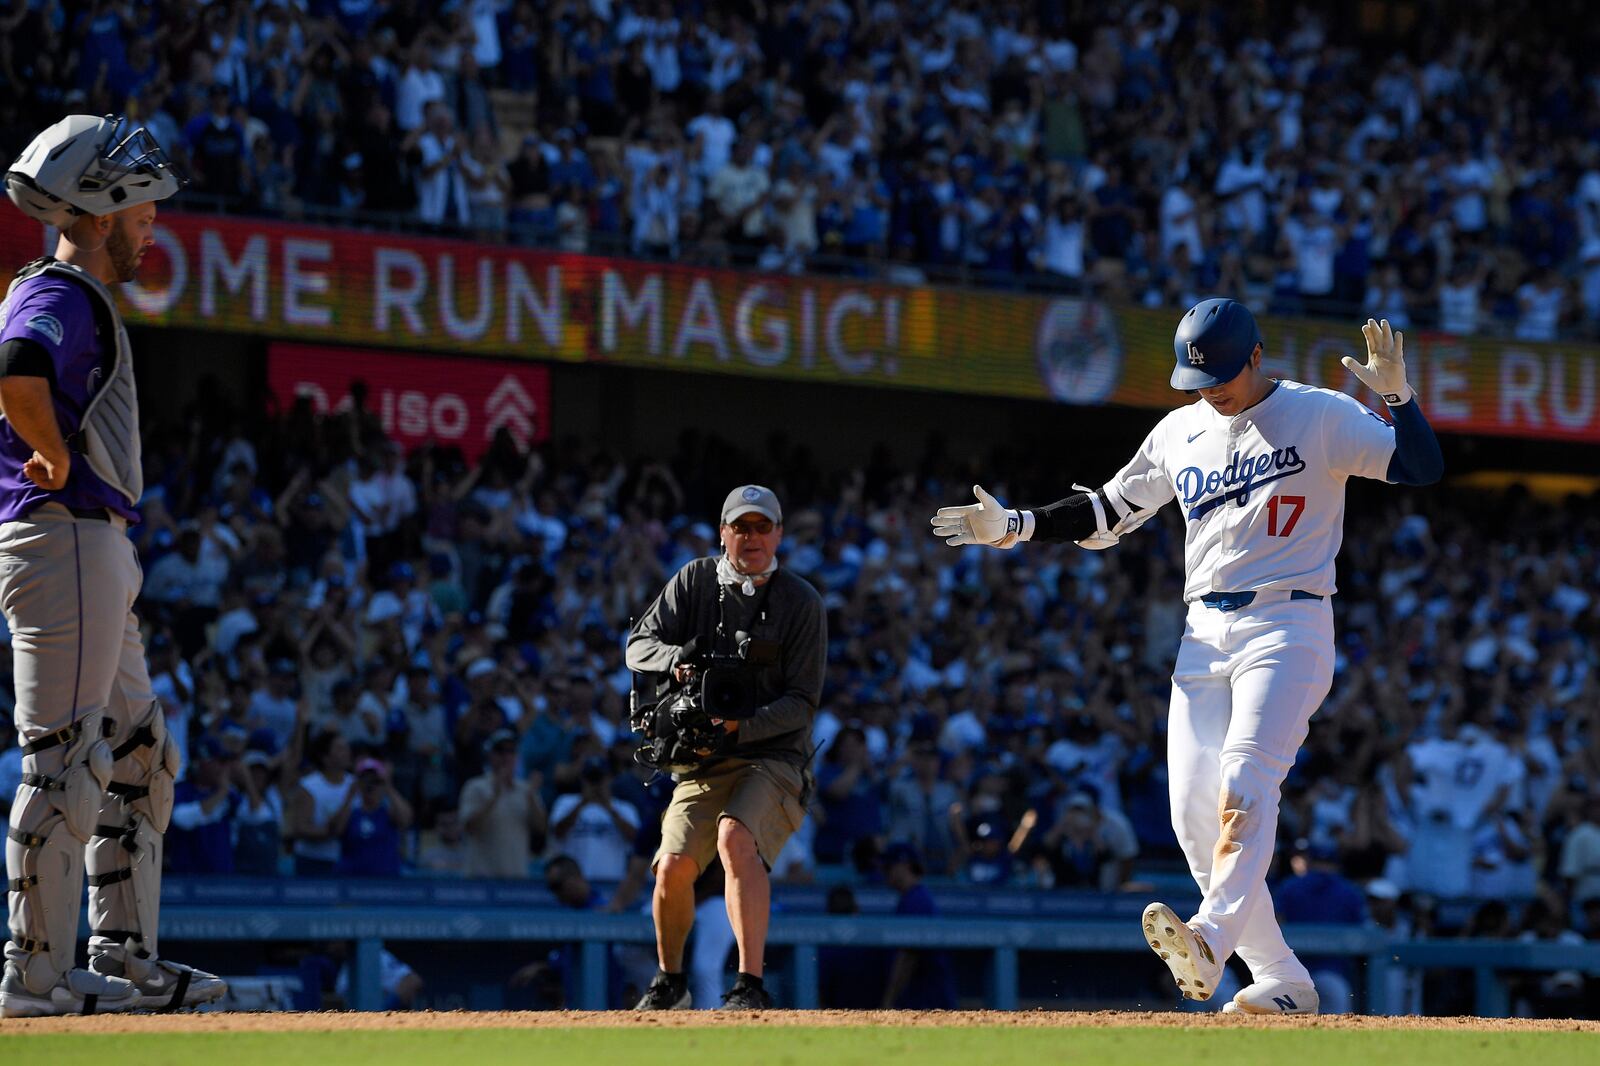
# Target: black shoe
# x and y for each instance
(746, 997)
(665, 994)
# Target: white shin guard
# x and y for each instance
(44, 861)
(51, 819)
(124, 858)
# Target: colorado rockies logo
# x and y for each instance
(1196, 356)
(1236, 481)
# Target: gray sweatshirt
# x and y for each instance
(788, 693)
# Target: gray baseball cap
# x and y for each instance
(751, 499)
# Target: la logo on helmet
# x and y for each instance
(1196, 356)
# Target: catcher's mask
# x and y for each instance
(85, 165)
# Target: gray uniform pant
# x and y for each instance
(67, 586)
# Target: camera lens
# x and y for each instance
(727, 693)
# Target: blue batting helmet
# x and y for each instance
(1213, 343)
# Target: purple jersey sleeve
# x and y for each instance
(54, 314)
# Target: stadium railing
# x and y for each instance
(1003, 939)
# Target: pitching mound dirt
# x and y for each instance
(288, 1023)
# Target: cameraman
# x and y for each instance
(747, 796)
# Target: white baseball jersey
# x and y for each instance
(1459, 777)
(1262, 491)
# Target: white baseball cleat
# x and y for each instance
(1273, 996)
(78, 991)
(165, 986)
(1185, 952)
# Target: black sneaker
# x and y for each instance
(746, 997)
(665, 994)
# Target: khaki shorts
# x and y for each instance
(762, 795)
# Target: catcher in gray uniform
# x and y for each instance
(98, 764)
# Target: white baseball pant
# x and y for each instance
(67, 586)
(1244, 688)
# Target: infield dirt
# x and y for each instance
(227, 1022)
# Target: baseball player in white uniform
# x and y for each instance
(98, 762)
(1259, 467)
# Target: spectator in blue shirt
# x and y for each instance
(852, 796)
(596, 58)
(1317, 892)
(918, 979)
(519, 64)
(553, 980)
(370, 823)
(849, 977)
(990, 861)
(217, 147)
(200, 837)
(571, 176)
(102, 32)
(866, 209)
(356, 16)
(1112, 220)
(258, 819)
(139, 70)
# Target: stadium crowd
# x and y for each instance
(1150, 151)
(384, 664)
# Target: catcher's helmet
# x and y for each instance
(85, 165)
(1213, 343)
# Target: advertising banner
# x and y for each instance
(1465, 384)
(395, 291)
(419, 398)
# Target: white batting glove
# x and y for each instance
(1385, 369)
(985, 522)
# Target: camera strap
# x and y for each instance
(761, 604)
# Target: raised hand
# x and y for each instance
(1385, 369)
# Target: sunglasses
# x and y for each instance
(760, 527)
